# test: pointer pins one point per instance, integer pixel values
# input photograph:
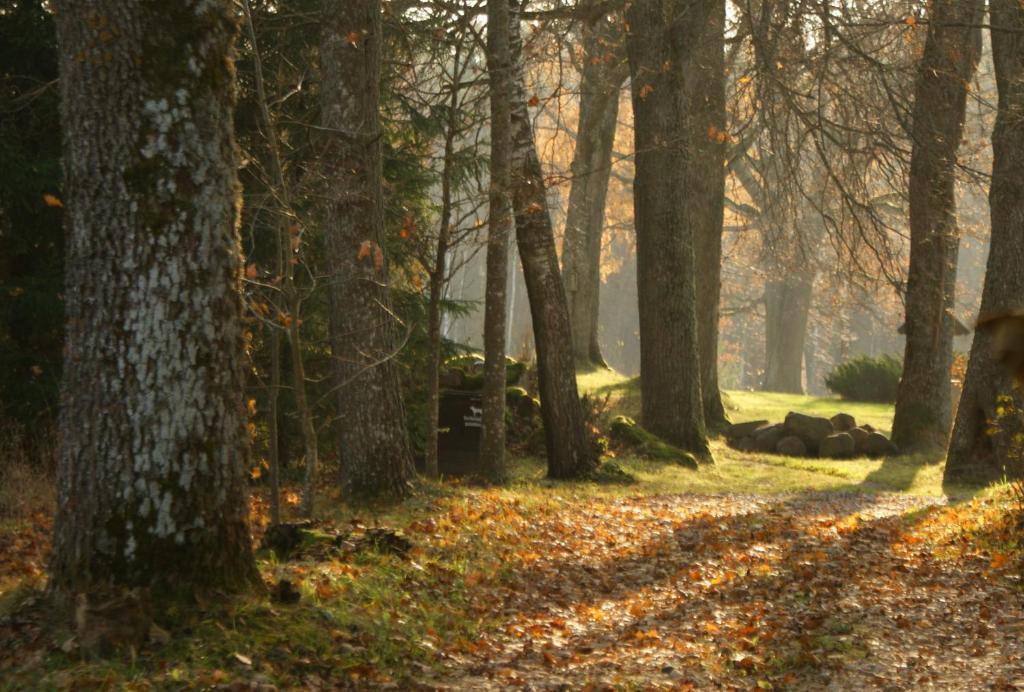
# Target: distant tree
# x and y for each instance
(569, 455)
(374, 445)
(662, 39)
(951, 53)
(603, 70)
(985, 443)
(151, 478)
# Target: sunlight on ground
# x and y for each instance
(768, 473)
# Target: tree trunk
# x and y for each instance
(661, 41)
(499, 232)
(983, 445)
(787, 304)
(437, 274)
(569, 455)
(601, 78)
(151, 478)
(273, 429)
(952, 49)
(705, 75)
(288, 242)
(375, 453)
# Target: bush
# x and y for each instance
(867, 379)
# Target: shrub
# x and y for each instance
(867, 379)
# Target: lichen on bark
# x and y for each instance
(153, 438)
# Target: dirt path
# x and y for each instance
(818, 591)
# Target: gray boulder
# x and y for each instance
(791, 446)
(738, 431)
(767, 437)
(843, 422)
(811, 429)
(860, 436)
(745, 444)
(878, 445)
(838, 446)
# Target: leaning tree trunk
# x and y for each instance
(659, 48)
(705, 78)
(153, 445)
(952, 49)
(569, 455)
(983, 445)
(375, 454)
(499, 232)
(787, 305)
(601, 78)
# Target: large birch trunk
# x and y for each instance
(152, 487)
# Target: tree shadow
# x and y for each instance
(781, 608)
(795, 613)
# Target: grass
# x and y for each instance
(769, 474)
(624, 398)
(773, 407)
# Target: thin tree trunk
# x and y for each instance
(374, 446)
(985, 441)
(273, 429)
(151, 478)
(603, 72)
(287, 256)
(660, 43)
(499, 231)
(787, 306)
(568, 453)
(437, 274)
(309, 439)
(274, 390)
(705, 75)
(952, 49)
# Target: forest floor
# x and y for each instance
(758, 573)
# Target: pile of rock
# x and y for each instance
(838, 437)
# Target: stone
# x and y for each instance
(737, 431)
(811, 429)
(860, 436)
(841, 445)
(745, 444)
(843, 422)
(767, 437)
(878, 445)
(791, 446)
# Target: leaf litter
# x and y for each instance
(494, 589)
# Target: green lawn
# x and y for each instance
(774, 407)
(766, 473)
